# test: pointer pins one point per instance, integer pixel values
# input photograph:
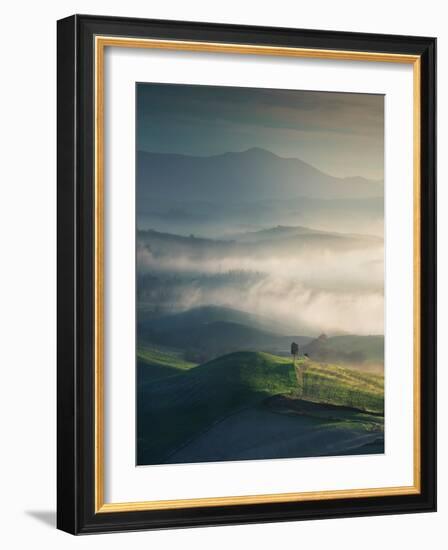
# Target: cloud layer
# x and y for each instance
(312, 291)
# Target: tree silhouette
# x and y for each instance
(294, 351)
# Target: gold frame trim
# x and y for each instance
(101, 42)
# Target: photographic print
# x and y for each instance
(259, 273)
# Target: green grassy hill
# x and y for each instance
(178, 401)
(336, 385)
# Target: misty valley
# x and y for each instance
(225, 287)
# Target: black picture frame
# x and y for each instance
(76, 511)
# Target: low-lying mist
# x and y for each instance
(312, 289)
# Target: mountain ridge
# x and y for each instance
(252, 174)
(261, 152)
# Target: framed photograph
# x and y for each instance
(246, 274)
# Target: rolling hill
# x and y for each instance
(205, 315)
(175, 410)
(210, 331)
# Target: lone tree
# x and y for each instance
(294, 351)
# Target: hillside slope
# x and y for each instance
(336, 385)
(175, 410)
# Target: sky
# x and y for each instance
(341, 134)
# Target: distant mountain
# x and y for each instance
(255, 174)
